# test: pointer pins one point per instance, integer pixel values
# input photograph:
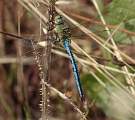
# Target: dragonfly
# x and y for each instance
(64, 35)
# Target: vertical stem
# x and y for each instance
(19, 54)
(19, 63)
(1, 26)
(47, 59)
(128, 78)
(20, 76)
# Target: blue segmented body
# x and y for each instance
(63, 33)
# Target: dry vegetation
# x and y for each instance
(106, 64)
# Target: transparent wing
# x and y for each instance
(29, 43)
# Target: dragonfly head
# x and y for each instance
(59, 20)
(52, 1)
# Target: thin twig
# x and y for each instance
(129, 79)
(66, 99)
(93, 21)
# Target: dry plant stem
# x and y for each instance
(66, 99)
(44, 103)
(29, 60)
(19, 61)
(100, 23)
(47, 60)
(119, 86)
(113, 93)
(87, 62)
(34, 10)
(128, 77)
(21, 83)
(13, 60)
(47, 63)
(44, 90)
(1, 26)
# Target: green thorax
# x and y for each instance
(61, 29)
